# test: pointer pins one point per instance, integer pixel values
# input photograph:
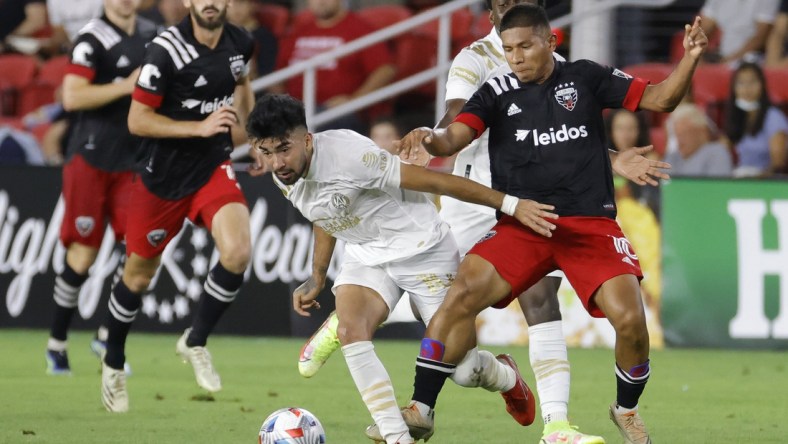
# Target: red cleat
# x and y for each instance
(519, 399)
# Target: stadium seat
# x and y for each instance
(13, 122)
(481, 25)
(273, 17)
(34, 95)
(381, 16)
(710, 89)
(17, 70)
(777, 85)
(53, 70)
(301, 18)
(416, 53)
(653, 72)
(658, 139)
(461, 22)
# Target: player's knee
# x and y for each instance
(137, 282)
(236, 257)
(349, 332)
(461, 301)
(631, 328)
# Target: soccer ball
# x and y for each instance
(292, 425)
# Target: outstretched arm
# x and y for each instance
(304, 296)
(631, 164)
(438, 142)
(665, 96)
(530, 213)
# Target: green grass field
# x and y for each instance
(694, 396)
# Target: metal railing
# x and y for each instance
(438, 73)
(308, 67)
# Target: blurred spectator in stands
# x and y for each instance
(20, 20)
(757, 130)
(342, 80)
(242, 13)
(384, 131)
(50, 123)
(697, 154)
(18, 147)
(775, 45)
(626, 129)
(67, 18)
(744, 26)
(166, 12)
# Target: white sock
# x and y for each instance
(374, 384)
(622, 410)
(102, 333)
(56, 345)
(494, 375)
(549, 360)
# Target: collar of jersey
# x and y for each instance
(312, 162)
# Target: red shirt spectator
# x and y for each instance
(342, 77)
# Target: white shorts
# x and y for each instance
(425, 276)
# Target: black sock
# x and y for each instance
(218, 293)
(66, 294)
(431, 372)
(123, 308)
(630, 385)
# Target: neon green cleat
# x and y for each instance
(562, 432)
(319, 347)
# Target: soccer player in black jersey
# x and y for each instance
(191, 90)
(557, 157)
(97, 177)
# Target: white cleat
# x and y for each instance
(200, 359)
(113, 389)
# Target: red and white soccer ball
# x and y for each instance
(292, 425)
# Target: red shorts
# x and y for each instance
(154, 221)
(93, 197)
(589, 250)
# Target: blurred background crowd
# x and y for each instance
(732, 122)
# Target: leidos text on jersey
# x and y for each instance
(547, 138)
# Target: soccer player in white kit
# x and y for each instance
(353, 190)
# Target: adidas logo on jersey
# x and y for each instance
(513, 109)
(200, 81)
(207, 107)
(564, 134)
(123, 62)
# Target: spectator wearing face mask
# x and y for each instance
(756, 130)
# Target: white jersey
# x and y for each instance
(352, 192)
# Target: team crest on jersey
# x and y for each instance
(340, 201)
(487, 236)
(566, 95)
(237, 66)
(156, 237)
(85, 225)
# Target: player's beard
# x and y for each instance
(210, 24)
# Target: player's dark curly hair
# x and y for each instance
(275, 116)
(538, 2)
(525, 16)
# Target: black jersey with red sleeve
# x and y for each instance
(104, 53)
(187, 81)
(547, 142)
